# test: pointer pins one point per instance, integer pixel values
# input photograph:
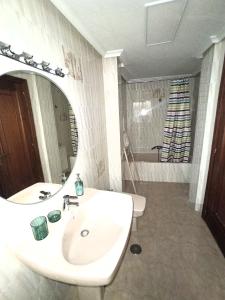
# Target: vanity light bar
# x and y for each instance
(26, 58)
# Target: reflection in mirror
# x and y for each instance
(38, 135)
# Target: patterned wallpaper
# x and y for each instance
(41, 30)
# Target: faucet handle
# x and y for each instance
(67, 201)
(64, 204)
(74, 203)
(45, 193)
(73, 197)
(67, 197)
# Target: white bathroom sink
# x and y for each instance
(31, 194)
(96, 229)
(104, 220)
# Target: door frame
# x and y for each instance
(214, 226)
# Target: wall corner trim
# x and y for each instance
(113, 53)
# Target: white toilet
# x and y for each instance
(138, 210)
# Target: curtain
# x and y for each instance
(74, 131)
(177, 130)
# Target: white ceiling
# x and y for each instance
(123, 24)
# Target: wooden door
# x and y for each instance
(214, 204)
(20, 164)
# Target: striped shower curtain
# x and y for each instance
(177, 130)
(74, 131)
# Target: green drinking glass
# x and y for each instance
(54, 216)
(39, 227)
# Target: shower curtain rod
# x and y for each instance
(160, 78)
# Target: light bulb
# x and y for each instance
(65, 71)
(17, 49)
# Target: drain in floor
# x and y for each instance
(135, 249)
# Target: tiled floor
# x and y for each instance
(180, 259)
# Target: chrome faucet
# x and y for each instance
(45, 195)
(67, 202)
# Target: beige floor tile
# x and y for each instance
(180, 259)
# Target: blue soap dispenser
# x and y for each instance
(79, 186)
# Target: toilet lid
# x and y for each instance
(139, 204)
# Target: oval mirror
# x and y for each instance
(38, 137)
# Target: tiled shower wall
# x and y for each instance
(200, 122)
(145, 116)
(122, 104)
(39, 28)
(122, 114)
(146, 112)
(194, 109)
(211, 71)
(110, 77)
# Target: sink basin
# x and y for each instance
(31, 194)
(84, 247)
(95, 231)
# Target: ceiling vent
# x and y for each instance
(163, 18)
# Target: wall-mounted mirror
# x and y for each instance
(38, 133)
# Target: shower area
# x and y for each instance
(159, 119)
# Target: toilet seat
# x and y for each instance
(139, 205)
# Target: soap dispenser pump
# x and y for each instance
(79, 186)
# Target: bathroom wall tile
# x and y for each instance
(110, 76)
(145, 116)
(200, 121)
(146, 107)
(40, 29)
(208, 97)
(158, 172)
